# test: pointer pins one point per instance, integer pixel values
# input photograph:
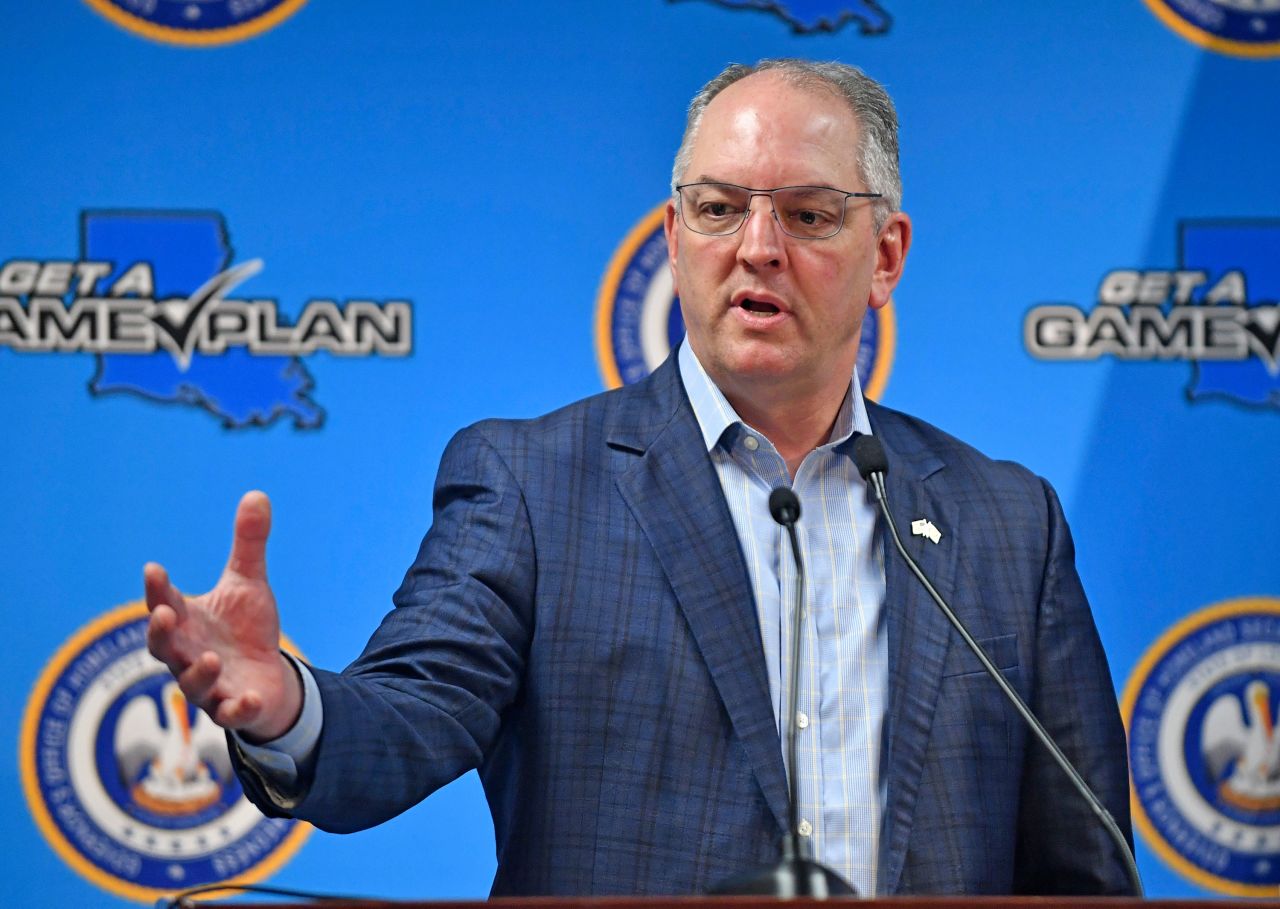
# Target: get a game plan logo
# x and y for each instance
(151, 297)
(1217, 311)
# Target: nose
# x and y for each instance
(762, 244)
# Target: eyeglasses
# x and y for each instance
(803, 212)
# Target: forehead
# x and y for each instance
(766, 131)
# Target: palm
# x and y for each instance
(237, 620)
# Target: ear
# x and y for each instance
(892, 244)
(672, 229)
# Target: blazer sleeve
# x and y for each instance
(1062, 848)
(423, 702)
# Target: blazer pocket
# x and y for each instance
(1002, 649)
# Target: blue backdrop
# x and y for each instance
(436, 195)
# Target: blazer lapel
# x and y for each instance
(919, 634)
(672, 489)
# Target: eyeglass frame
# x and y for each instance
(773, 206)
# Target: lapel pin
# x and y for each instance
(923, 527)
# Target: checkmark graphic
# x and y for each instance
(178, 319)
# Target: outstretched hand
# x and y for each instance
(223, 647)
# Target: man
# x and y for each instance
(599, 617)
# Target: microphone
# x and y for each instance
(795, 875)
(872, 462)
(784, 505)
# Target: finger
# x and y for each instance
(160, 590)
(160, 638)
(236, 713)
(197, 681)
(249, 541)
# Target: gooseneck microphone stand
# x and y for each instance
(872, 462)
(795, 874)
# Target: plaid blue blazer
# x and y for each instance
(579, 626)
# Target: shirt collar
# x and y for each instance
(716, 415)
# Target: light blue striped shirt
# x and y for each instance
(844, 657)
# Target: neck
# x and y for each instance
(796, 425)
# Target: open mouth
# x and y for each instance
(759, 307)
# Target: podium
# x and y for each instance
(753, 902)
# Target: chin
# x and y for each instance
(760, 365)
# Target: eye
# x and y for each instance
(811, 218)
(810, 211)
(717, 208)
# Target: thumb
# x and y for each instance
(249, 541)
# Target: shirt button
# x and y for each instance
(750, 443)
(804, 828)
(802, 720)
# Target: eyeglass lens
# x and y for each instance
(807, 212)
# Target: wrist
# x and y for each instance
(275, 720)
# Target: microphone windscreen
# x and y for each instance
(869, 456)
(784, 505)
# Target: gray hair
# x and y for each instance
(877, 152)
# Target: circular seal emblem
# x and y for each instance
(1241, 28)
(130, 784)
(1204, 749)
(638, 319)
(199, 22)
